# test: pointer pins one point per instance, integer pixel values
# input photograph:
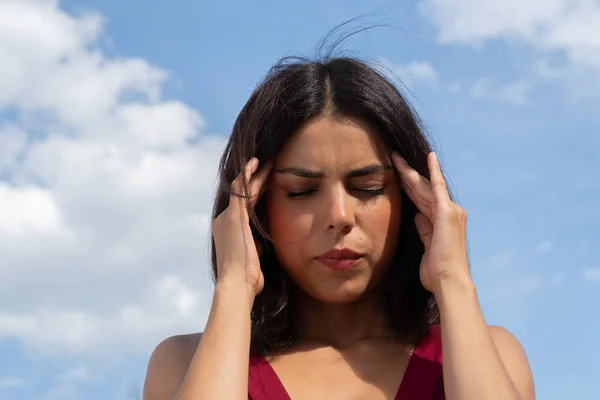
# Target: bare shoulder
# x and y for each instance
(168, 365)
(514, 359)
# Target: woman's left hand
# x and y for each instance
(440, 222)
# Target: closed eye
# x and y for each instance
(295, 195)
(377, 192)
(305, 193)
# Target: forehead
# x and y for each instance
(334, 142)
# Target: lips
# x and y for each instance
(340, 254)
(339, 258)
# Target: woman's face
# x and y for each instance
(334, 187)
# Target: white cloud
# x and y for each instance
(79, 373)
(454, 87)
(13, 383)
(592, 274)
(471, 21)
(48, 57)
(105, 201)
(35, 213)
(568, 28)
(60, 392)
(515, 93)
(414, 73)
(160, 125)
(544, 247)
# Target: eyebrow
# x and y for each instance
(307, 173)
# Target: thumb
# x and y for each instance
(424, 228)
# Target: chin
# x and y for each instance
(347, 292)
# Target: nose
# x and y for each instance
(338, 210)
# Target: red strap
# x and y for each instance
(423, 377)
(263, 383)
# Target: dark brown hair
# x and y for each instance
(295, 91)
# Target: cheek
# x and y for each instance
(288, 228)
(381, 222)
(276, 215)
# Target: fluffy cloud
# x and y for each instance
(544, 247)
(415, 73)
(515, 93)
(11, 382)
(592, 274)
(105, 191)
(562, 33)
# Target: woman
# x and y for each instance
(339, 257)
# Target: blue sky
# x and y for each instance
(105, 202)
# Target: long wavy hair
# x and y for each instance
(295, 91)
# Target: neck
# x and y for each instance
(341, 325)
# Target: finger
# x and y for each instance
(239, 184)
(438, 183)
(258, 182)
(416, 186)
(405, 170)
(249, 167)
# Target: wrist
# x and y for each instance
(454, 283)
(236, 288)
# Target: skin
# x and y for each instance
(345, 336)
(360, 213)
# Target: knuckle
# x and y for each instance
(445, 210)
(240, 178)
(440, 183)
(237, 182)
(458, 209)
(458, 213)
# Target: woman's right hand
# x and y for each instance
(237, 252)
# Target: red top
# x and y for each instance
(422, 379)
